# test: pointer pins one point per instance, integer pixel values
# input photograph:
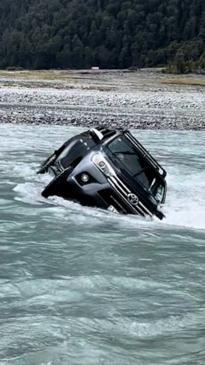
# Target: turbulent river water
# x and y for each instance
(85, 286)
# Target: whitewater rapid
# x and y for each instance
(181, 153)
(83, 286)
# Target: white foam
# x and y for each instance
(184, 206)
(180, 210)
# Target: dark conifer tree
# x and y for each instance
(106, 33)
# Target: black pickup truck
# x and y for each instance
(108, 169)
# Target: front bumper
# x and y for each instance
(104, 192)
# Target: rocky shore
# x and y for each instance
(141, 99)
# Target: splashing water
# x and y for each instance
(86, 286)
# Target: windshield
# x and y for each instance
(137, 166)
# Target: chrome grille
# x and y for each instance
(124, 192)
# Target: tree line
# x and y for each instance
(43, 34)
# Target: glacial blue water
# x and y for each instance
(88, 287)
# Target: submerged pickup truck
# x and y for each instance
(109, 169)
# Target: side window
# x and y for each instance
(71, 153)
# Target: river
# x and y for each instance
(86, 286)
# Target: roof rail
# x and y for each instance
(105, 132)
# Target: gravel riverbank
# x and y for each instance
(141, 99)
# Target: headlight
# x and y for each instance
(84, 178)
(103, 165)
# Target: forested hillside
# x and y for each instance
(105, 33)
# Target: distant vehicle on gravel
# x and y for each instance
(109, 169)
